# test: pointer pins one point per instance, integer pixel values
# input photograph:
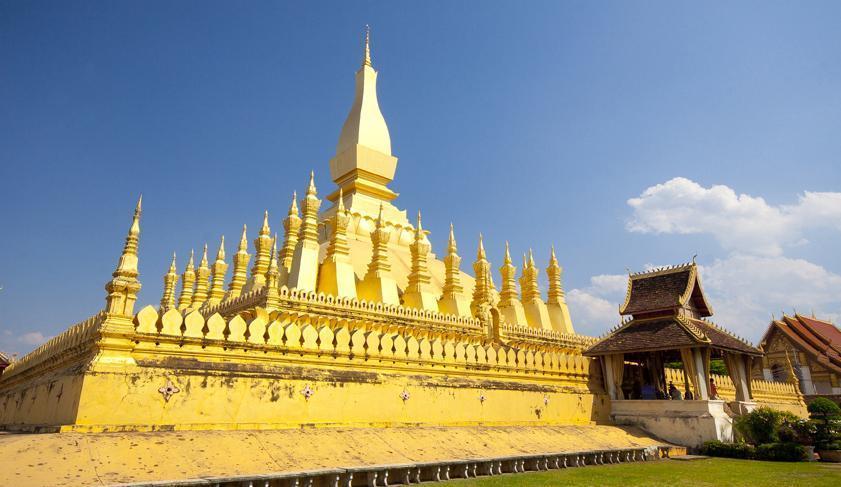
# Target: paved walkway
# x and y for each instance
(112, 458)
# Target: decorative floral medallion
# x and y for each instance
(405, 395)
(482, 398)
(168, 390)
(307, 392)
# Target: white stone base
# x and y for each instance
(685, 423)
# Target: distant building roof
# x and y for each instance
(5, 360)
(821, 340)
(665, 289)
(669, 333)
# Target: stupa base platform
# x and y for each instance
(328, 456)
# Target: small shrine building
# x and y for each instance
(666, 324)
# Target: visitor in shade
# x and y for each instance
(674, 393)
(648, 391)
(688, 396)
(713, 389)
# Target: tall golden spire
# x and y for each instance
(240, 274)
(304, 272)
(291, 226)
(123, 287)
(378, 284)
(202, 282)
(482, 287)
(170, 281)
(220, 267)
(262, 249)
(419, 292)
(509, 304)
(188, 278)
(363, 165)
(556, 302)
(453, 300)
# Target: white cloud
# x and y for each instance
(13, 343)
(33, 338)
(745, 290)
(739, 222)
(595, 309)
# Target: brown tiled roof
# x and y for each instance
(645, 335)
(818, 339)
(668, 334)
(722, 339)
(664, 289)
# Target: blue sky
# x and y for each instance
(627, 134)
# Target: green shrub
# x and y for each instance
(825, 415)
(717, 448)
(781, 452)
(762, 425)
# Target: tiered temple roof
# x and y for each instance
(667, 307)
(818, 339)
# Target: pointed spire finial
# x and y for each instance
(419, 229)
(220, 255)
(380, 216)
(265, 229)
(367, 60)
(552, 258)
(451, 244)
(311, 188)
(507, 254)
(172, 267)
(293, 208)
(190, 263)
(340, 207)
(243, 240)
(481, 252)
(204, 257)
(531, 258)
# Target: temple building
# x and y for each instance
(809, 347)
(341, 316)
(667, 323)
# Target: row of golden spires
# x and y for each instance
(296, 265)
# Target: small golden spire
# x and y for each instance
(367, 60)
(531, 258)
(552, 259)
(217, 278)
(202, 282)
(291, 225)
(188, 278)
(170, 280)
(380, 216)
(480, 254)
(419, 228)
(340, 207)
(123, 287)
(507, 260)
(241, 258)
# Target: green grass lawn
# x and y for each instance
(711, 471)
